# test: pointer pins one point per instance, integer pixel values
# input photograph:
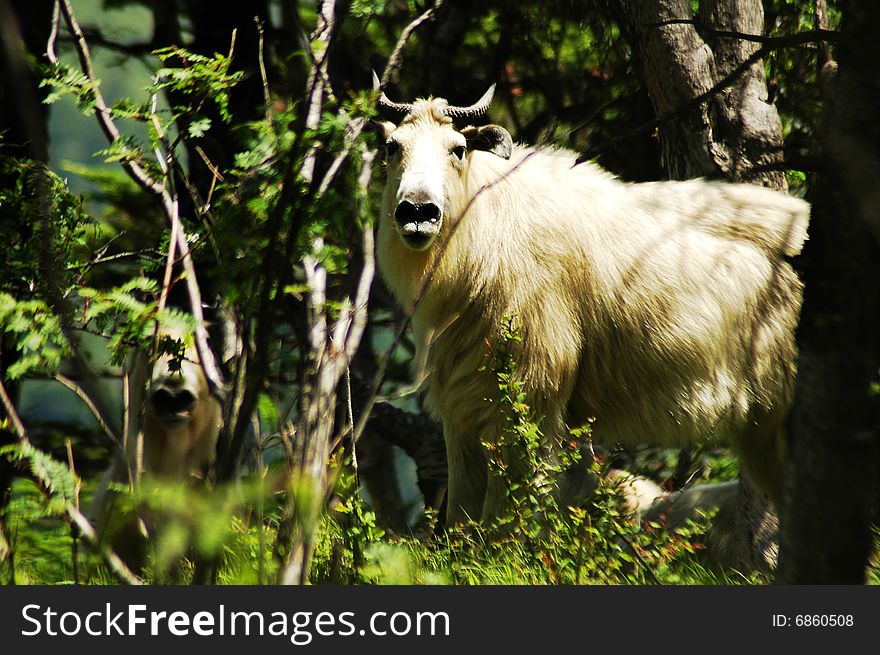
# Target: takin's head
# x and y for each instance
(178, 391)
(428, 159)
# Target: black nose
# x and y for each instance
(408, 212)
(172, 400)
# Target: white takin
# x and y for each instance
(665, 310)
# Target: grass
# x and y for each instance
(574, 546)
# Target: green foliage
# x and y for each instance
(543, 539)
(521, 457)
(44, 225)
(353, 533)
(122, 314)
(367, 8)
(56, 478)
(36, 516)
(196, 79)
(123, 149)
(40, 541)
(64, 80)
(37, 334)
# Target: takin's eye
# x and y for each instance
(458, 151)
(391, 149)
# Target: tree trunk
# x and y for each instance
(24, 29)
(736, 129)
(734, 133)
(831, 493)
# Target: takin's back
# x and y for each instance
(675, 296)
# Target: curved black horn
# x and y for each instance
(385, 103)
(476, 109)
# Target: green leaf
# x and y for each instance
(198, 128)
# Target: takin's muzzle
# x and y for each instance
(418, 221)
(172, 400)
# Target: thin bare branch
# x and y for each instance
(267, 98)
(394, 61)
(74, 532)
(12, 414)
(362, 295)
(53, 34)
(102, 111)
(316, 276)
(318, 80)
(169, 260)
(82, 395)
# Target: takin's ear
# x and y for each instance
(383, 129)
(491, 138)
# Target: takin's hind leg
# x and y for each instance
(756, 531)
(756, 528)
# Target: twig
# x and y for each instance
(638, 556)
(349, 409)
(107, 259)
(216, 176)
(102, 113)
(175, 220)
(12, 414)
(53, 34)
(318, 80)
(74, 532)
(394, 60)
(139, 51)
(819, 35)
(267, 98)
(82, 395)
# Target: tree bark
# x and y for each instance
(417, 435)
(736, 130)
(24, 30)
(831, 491)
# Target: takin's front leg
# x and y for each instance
(519, 466)
(467, 472)
(475, 491)
(479, 491)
